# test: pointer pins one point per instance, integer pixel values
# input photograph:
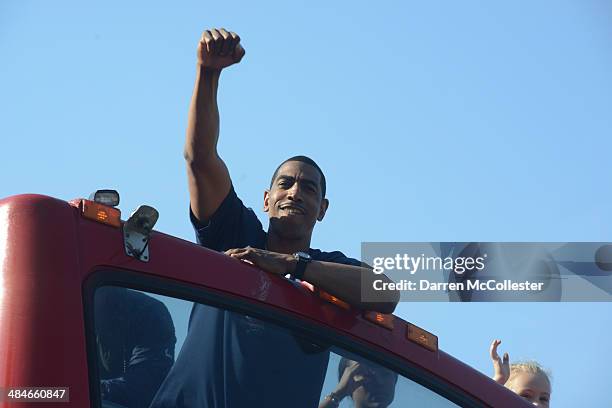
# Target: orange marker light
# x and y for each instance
(101, 213)
(421, 337)
(332, 299)
(384, 320)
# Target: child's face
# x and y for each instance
(535, 388)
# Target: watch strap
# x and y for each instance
(300, 267)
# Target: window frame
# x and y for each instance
(132, 279)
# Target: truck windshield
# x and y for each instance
(160, 351)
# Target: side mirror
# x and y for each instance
(137, 232)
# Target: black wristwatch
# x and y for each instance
(302, 259)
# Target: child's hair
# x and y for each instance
(530, 366)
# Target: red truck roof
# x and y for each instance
(51, 257)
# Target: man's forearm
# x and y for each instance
(344, 281)
(203, 118)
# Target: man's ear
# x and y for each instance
(323, 209)
(266, 206)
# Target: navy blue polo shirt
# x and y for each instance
(230, 360)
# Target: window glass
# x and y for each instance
(135, 345)
(374, 385)
(163, 352)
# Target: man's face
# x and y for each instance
(294, 201)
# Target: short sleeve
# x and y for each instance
(335, 257)
(232, 226)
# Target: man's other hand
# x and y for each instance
(271, 262)
(219, 48)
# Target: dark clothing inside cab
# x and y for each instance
(135, 338)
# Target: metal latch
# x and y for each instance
(137, 232)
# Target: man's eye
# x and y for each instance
(311, 187)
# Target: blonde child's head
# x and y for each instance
(529, 380)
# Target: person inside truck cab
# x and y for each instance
(135, 340)
(230, 360)
(366, 383)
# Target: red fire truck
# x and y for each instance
(56, 255)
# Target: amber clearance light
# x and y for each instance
(384, 320)
(421, 337)
(332, 299)
(101, 213)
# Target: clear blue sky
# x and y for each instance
(434, 121)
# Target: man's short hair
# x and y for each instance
(307, 160)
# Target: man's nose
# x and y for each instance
(295, 193)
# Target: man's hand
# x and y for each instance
(502, 368)
(352, 378)
(340, 280)
(219, 48)
(271, 262)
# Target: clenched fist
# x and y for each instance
(219, 48)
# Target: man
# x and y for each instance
(135, 338)
(230, 360)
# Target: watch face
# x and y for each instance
(303, 255)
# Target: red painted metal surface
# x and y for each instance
(42, 340)
(50, 250)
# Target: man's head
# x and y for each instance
(296, 198)
(305, 160)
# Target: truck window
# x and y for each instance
(135, 345)
(380, 386)
(160, 351)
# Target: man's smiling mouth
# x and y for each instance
(292, 209)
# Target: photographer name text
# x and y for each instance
(476, 284)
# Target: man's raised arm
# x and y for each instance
(208, 177)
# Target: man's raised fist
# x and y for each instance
(219, 48)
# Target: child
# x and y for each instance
(527, 379)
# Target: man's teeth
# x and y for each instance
(292, 210)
